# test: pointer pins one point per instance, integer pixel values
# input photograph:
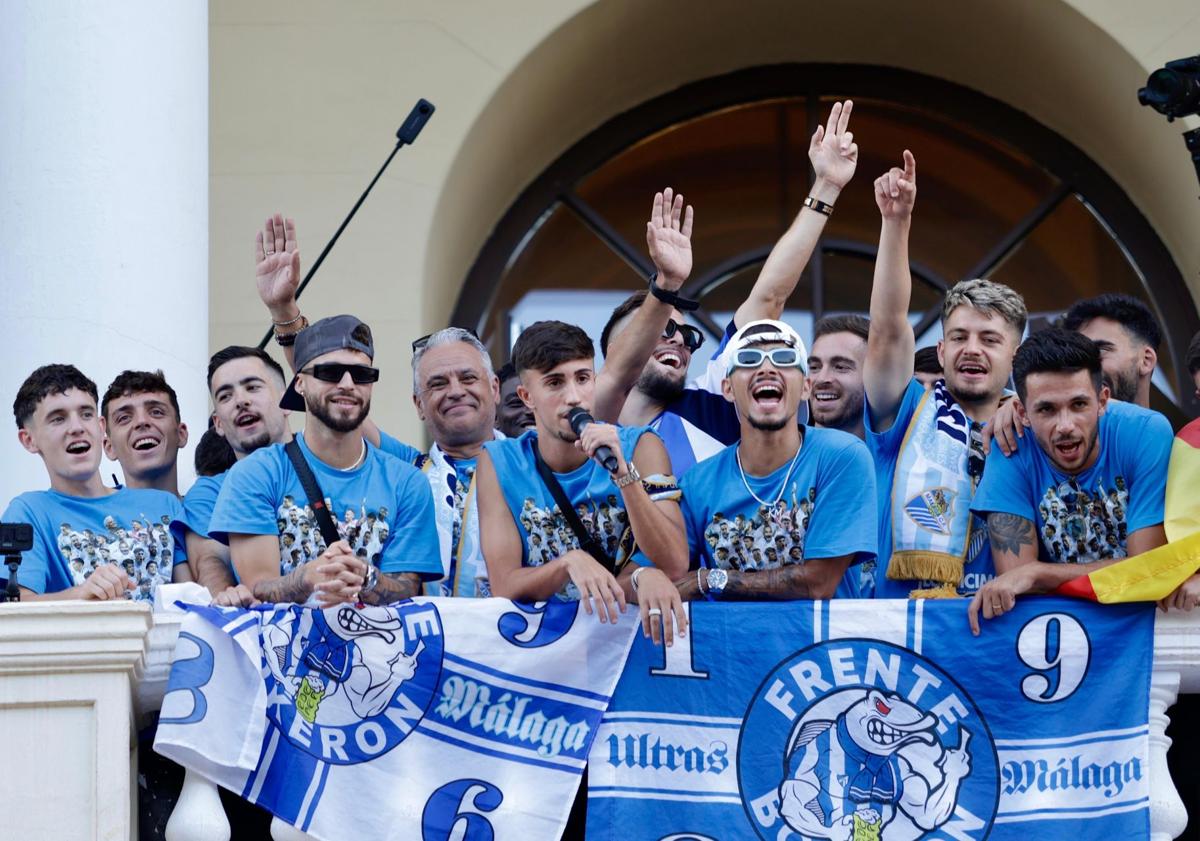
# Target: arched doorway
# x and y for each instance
(1000, 195)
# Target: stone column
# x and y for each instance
(104, 223)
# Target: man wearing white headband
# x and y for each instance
(787, 511)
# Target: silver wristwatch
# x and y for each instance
(371, 580)
(714, 584)
(629, 478)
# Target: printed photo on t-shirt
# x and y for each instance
(300, 537)
(143, 548)
(771, 537)
(1081, 525)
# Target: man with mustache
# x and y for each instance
(245, 384)
(333, 383)
(803, 494)
(835, 373)
(1096, 477)
(455, 392)
(648, 346)
(928, 446)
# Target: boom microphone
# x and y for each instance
(579, 418)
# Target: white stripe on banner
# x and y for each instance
(670, 796)
(269, 755)
(517, 686)
(1071, 741)
(674, 718)
(1076, 814)
(499, 748)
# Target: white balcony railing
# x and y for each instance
(77, 679)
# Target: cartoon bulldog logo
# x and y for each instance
(347, 684)
(887, 758)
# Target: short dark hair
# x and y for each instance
(139, 382)
(623, 309)
(547, 344)
(1193, 355)
(47, 380)
(925, 361)
(213, 454)
(847, 323)
(506, 372)
(1126, 310)
(1055, 350)
(228, 354)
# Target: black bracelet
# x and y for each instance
(286, 339)
(677, 301)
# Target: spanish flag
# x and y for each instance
(1154, 575)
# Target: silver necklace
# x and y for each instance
(782, 488)
(358, 461)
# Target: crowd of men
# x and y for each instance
(861, 467)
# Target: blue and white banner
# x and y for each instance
(432, 719)
(877, 721)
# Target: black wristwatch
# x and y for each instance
(677, 301)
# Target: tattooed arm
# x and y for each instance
(817, 578)
(1015, 553)
(393, 587)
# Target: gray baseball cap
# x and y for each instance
(338, 332)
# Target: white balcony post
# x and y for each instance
(67, 674)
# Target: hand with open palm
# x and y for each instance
(277, 267)
(669, 238)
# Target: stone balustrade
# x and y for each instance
(77, 680)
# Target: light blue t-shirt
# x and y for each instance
(74, 535)
(545, 532)
(826, 509)
(884, 447)
(407, 453)
(382, 508)
(199, 501)
(1087, 517)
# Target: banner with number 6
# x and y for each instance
(880, 721)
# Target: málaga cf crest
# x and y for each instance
(349, 684)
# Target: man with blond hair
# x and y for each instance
(928, 445)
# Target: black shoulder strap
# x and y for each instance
(316, 499)
(588, 543)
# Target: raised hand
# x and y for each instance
(832, 150)
(669, 238)
(896, 190)
(277, 267)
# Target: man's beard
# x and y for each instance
(660, 387)
(1124, 387)
(770, 425)
(847, 418)
(317, 409)
(249, 445)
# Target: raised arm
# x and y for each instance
(669, 240)
(889, 363)
(834, 157)
(277, 276)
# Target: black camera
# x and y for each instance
(15, 538)
(1174, 90)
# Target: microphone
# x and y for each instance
(579, 418)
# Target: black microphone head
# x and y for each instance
(579, 417)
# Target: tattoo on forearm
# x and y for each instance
(793, 581)
(393, 587)
(1008, 533)
(291, 588)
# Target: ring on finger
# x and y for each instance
(654, 611)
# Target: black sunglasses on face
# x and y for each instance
(692, 337)
(332, 372)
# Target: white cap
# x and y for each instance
(764, 331)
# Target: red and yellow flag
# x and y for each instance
(1154, 575)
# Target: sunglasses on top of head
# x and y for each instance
(332, 372)
(781, 357)
(424, 340)
(692, 337)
